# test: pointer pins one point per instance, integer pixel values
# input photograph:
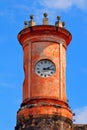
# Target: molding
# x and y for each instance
(43, 122)
(45, 38)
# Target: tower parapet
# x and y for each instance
(44, 104)
(30, 23)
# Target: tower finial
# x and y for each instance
(59, 23)
(63, 23)
(31, 17)
(45, 19)
(32, 22)
(45, 15)
(26, 24)
(58, 18)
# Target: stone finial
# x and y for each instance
(45, 15)
(31, 22)
(59, 23)
(26, 24)
(74, 114)
(58, 18)
(45, 19)
(31, 17)
(63, 23)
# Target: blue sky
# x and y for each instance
(12, 17)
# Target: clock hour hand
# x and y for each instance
(45, 68)
(48, 68)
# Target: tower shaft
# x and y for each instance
(44, 105)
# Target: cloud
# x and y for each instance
(80, 3)
(8, 14)
(60, 4)
(64, 4)
(81, 115)
(22, 7)
(6, 85)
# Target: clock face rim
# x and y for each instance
(45, 72)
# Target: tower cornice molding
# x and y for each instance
(45, 38)
(31, 33)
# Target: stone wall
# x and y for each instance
(80, 127)
(45, 122)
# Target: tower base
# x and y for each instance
(44, 122)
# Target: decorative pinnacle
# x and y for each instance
(45, 15)
(63, 23)
(58, 17)
(74, 114)
(31, 17)
(45, 19)
(31, 22)
(25, 22)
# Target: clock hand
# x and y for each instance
(45, 68)
(48, 68)
(51, 67)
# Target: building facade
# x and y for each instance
(44, 105)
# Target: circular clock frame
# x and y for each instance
(45, 68)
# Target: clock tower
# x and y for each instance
(44, 105)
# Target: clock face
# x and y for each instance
(45, 68)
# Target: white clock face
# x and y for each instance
(45, 68)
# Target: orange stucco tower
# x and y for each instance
(44, 105)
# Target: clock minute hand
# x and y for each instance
(49, 68)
